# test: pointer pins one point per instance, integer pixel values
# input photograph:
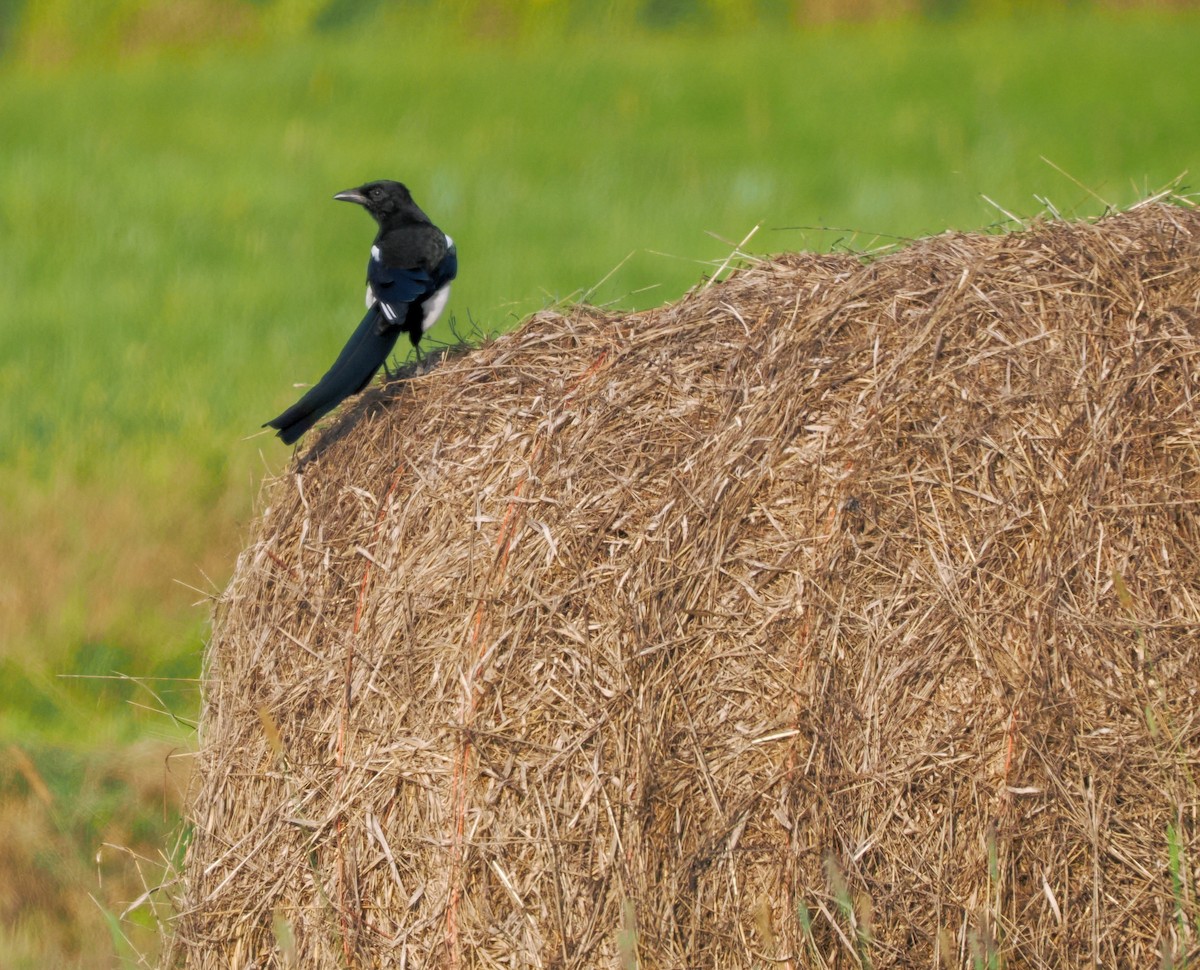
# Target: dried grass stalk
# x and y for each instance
(841, 614)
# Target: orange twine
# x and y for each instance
(343, 720)
(458, 783)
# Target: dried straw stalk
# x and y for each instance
(844, 613)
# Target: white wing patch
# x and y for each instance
(371, 301)
(387, 310)
(432, 308)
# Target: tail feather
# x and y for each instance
(363, 355)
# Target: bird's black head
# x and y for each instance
(387, 201)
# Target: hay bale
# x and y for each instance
(840, 613)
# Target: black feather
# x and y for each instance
(363, 355)
(412, 264)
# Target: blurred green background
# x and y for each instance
(171, 263)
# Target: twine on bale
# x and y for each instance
(843, 613)
(458, 781)
(343, 723)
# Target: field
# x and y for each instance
(172, 264)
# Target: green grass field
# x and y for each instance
(172, 263)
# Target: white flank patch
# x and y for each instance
(375, 253)
(370, 297)
(433, 307)
(449, 241)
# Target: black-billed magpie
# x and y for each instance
(408, 283)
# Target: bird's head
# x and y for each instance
(387, 201)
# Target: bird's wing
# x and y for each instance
(396, 287)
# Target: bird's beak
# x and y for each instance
(351, 195)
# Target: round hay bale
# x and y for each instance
(844, 613)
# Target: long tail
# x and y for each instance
(363, 355)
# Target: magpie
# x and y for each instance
(408, 284)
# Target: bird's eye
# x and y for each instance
(376, 193)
